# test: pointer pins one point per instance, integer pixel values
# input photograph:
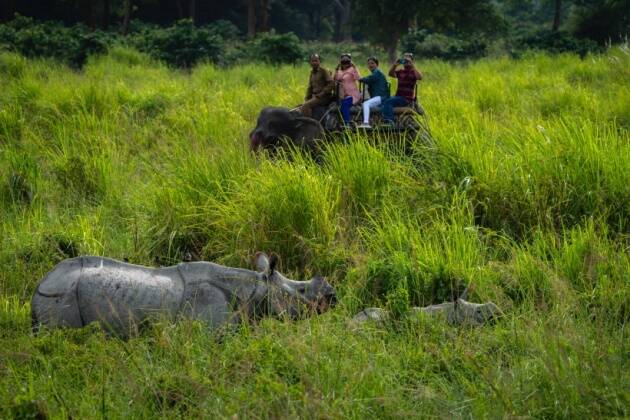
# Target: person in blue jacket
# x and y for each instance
(377, 88)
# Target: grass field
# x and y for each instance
(526, 198)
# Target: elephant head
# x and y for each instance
(275, 126)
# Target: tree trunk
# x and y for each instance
(343, 29)
(88, 13)
(391, 52)
(556, 16)
(413, 23)
(7, 10)
(393, 43)
(192, 10)
(251, 18)
(126, 16)
(180, 9)
(318, 22)
(263, 23)
(106, 13)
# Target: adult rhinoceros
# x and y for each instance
(120, 296)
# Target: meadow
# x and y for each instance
(525, 199)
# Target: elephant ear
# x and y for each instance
(302, 121)
(261, 261)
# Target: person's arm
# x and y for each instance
(392, 69)
(368, 80)
(355, 73)
(309, 90)
(329, 85)
(416, 72)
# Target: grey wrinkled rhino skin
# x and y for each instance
(121, 296)
(459, 312)
(276, 125)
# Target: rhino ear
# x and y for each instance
(317, 280)
(273, 262)
(261, 262)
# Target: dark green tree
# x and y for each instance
(385, 22)
(601, 20)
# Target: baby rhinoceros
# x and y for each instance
(121, 296)
(458, 312)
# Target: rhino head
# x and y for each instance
(290, 297)
(464, 312)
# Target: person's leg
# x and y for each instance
(387, 110)
(390, 104)
(307, 107)
(369, 104)
(346, 103)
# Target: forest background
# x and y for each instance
(183, 32)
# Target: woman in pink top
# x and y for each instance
(347, 76)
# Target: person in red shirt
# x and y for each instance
(407, 77)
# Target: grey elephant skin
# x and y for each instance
(121, 296)
(276, 126)
(459, 312)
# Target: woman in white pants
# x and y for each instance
(377, 87)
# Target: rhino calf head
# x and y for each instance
(276, 125)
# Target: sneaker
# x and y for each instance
(364, 125)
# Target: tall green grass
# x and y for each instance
(524, 201)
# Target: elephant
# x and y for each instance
(458, 312)
(278, 126)
(121, 296)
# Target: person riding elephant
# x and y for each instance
(347, 75)
(377, 88)
(407, 77)
(320, 87)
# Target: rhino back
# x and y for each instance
(217, 294)
(235, 283)
(120, 295)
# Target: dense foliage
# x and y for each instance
(555, 42)
(524, 199)
(184, 44)
(51, 39)
(181, 45)
(434, 45)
